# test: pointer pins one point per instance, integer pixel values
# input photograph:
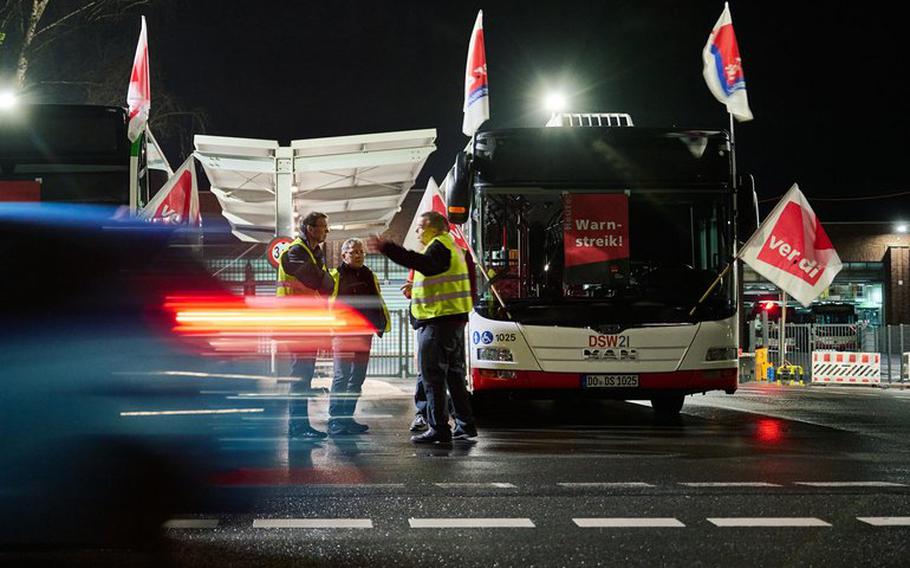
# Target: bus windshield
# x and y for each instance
(648, 264)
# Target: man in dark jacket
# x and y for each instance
(302, 273)
(440, 303)
(357, 286)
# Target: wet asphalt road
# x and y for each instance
(572, 483)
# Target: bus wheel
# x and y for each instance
(667, 405)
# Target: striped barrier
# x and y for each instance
(846, 367)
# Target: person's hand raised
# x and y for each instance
(374, 243)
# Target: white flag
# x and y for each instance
(177, 202)
(476, 89)
(792, 250)
(139, 94)
(723, 68)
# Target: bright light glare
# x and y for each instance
(901, 228)
(265, 317)
(555, 102)
(7, 100)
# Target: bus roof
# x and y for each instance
(603, 157)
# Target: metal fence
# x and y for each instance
(890, 341)
(393, 354)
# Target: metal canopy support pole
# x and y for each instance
(284, 197)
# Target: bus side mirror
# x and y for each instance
(459, 192)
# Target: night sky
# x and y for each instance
(824, 79)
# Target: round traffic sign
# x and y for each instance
(276, 247)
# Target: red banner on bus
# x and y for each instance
(596, 237)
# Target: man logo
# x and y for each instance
(610, 355)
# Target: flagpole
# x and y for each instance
(134, 174)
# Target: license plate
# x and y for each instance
(609, 381)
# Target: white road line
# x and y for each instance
(469, 523)
(730, 484)
(886, 521)
(355, 485)
(768, 522)
(193, 412)
(313, 523)
(191, 524)
(475, 485)
(617, 484)
(849, 484)
(626, 522)
(285, 418)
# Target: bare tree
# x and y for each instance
(76, 51)
(29, 26)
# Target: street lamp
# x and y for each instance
(7, 100)
(900, 228)
(554, 102)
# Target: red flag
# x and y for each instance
(432, 200)
(139, 94)
(476, 87)
(177, 203)
(792, 250)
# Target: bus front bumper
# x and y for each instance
(544, 385)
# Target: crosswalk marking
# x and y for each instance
(616, 484)
(191, 524)
(628, 522)
(476, 485)
(886, 521)
(768, 522)
(849, 484)
(730, 484)
(521, 522)
(470, 523)
(313, 523)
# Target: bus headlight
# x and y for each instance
(494, 354)
(721, 354)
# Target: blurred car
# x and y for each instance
(80, 321)
(95, 315)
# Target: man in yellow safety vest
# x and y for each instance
(440, 303)
(302, 272)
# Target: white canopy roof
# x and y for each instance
(358, 181)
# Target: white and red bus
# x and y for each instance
(600, 242)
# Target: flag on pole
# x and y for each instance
(476, 91)
(177, 202)
(154, 156)
(723, 68)
(792, 250)
(139, 95)
(432, 200)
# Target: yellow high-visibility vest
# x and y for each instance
(288, 285)
(443, 294)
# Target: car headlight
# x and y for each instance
(721, 354)
(494, 354)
